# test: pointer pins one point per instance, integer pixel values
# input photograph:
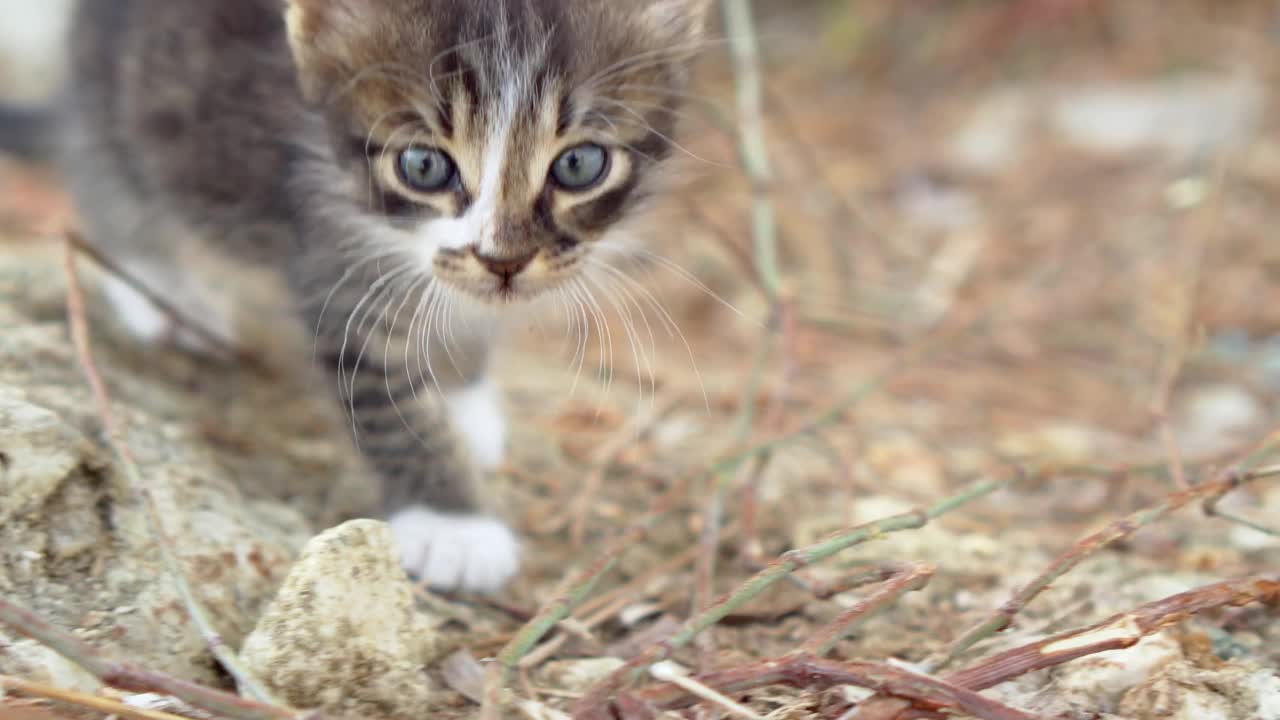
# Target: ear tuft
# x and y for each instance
(681, 21)
(320, 36)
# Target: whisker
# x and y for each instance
(424, 347)
(642, 122)
(324, 308)
(628, 323)
(584, 328)
(364, 347)
(673, 328)
(411, 338)
(631, 301)
(682, 273)
(606, 336)
(386, 361)
(392, 71)
(371, 292)
(446, 330)
(652, 58)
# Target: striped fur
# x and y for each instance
(267, 134)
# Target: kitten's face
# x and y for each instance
(498, 141)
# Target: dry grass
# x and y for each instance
(1058, 321)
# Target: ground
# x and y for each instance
(1024, 237)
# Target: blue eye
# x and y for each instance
(427, 169)
(581, 167)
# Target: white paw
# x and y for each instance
(474, 553)
(476, 412)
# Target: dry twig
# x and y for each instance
(85, 701)
(131, 678)
(753, 145)
(116, 438)
(580, 588)
(908, 578)
(604, 460)
(176, 316)
(809, 671)
(1118, 632)
(781, 569)
(1226, 481)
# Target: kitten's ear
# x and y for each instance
(679, 21)
(325, 36)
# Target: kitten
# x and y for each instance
(397, 163)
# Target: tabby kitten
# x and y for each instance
(399, 164)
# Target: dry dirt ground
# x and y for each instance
(1036, 236)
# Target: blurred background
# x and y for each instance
(1029, 230)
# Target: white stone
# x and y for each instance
(343, 633)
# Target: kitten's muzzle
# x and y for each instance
(505, 268)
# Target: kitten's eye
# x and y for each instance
(427, 169)
(579, 168)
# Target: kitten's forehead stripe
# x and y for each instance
(506, 86)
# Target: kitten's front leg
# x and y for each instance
(406, 428)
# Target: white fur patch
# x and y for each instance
(475, 229)
(190, 296)
(474, 553)
(476, 412)
(141, 318)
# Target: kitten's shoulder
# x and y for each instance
(187, 96)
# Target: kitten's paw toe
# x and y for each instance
(474, 553)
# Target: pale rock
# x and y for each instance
(1217, 418)
(237, 499)
(995, 134)
(1266, 686)
(872, 508)
(343, 633)
(1183, 692)
(1249, 539)
(937, 206)
(677, 432)
(1098, 682)
(1181, 116)
(1059, 442)
(33, 661)
(905, 464)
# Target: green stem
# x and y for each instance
(781, 569)
(753, 145)
(1223, 483)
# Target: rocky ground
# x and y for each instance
(1038, 245)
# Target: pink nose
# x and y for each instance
(506, 267)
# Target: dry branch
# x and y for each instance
(604, 460)
(753, 145)
(1227, 480)
(808, 671)
(116, 438)
(580, 588)
(81, 700)
(131, 678)
(1118, 632)
(176, 316)
(907, 579)
(780, 569)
